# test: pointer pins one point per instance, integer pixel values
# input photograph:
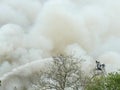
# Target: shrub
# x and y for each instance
(109, 82)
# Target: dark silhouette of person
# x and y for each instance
(99, 66)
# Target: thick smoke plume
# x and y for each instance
(32, 30)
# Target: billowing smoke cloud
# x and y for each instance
(32, 30)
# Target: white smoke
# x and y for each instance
(32, 30)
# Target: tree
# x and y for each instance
(109, 82)
(113, 81)
(64, 74)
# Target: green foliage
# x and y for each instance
(110, 82)
(113, 81)
(96, 84)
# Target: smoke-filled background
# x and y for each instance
(33, 30)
